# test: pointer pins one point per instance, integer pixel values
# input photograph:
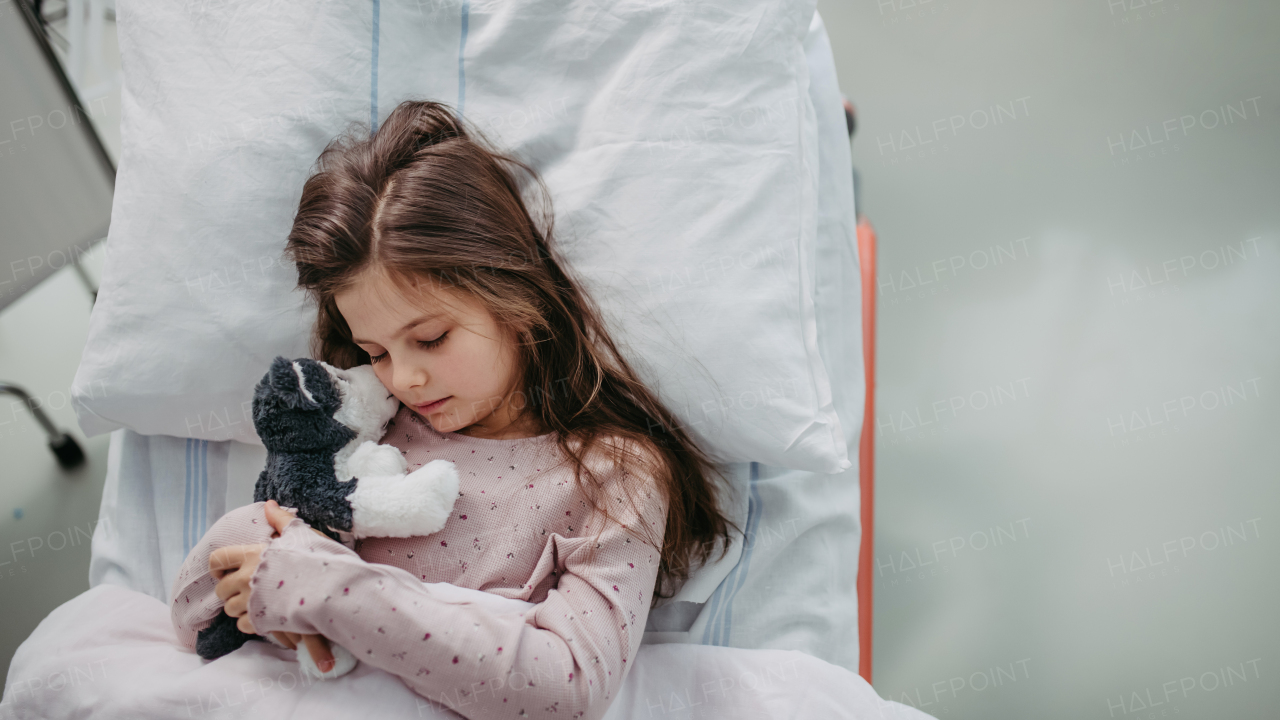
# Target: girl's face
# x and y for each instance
(441, 353)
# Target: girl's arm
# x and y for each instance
(564, 658)
(194, 603)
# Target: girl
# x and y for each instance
(579, 491)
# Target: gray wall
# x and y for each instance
(1077, 404)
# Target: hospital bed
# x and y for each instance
(788, 605)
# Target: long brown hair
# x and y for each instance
(426, 197)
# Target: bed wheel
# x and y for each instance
(62, 444)
(68, 451)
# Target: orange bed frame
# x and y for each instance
(866, 450)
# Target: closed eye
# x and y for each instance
(428, 344)
(425, 344)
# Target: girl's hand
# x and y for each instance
(234, 565)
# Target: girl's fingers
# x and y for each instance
(237, 605)
(224, 561)
(277, 517)
(285, 639)
(227, 560)
(318, 646)
(245, 625)
(228, 588)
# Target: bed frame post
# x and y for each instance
(866, 450)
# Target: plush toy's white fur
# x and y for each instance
(366, 408)
(388, 501)
(343, 662)
(393, 504)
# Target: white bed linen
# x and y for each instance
(111, 653)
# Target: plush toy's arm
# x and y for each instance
(380, 499)
(388, 503)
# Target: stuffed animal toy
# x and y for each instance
(320, 426)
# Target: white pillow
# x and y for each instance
(787, 586)
(678, 143)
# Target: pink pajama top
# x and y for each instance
(520, 528)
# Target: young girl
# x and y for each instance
(580, 492)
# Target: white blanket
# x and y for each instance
(111, 653)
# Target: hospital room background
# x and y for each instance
(1076, 397)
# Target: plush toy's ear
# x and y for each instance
(284, 385)
(318, 384)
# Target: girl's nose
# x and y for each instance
(408, 377)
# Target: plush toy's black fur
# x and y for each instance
(302, 438)
(221, 637)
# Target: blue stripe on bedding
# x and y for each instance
(203, 518)
(195, 504)
(462, 46)
(717, 630)
(373, 72)
(187, 498)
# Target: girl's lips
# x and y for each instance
(432, 407)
